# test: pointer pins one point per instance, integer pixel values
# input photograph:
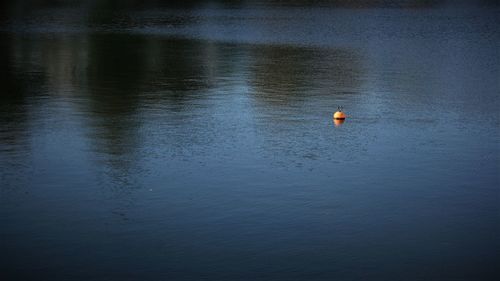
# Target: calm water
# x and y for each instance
(196, 143)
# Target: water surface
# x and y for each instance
(197, 143)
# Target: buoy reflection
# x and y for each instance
(338, 122)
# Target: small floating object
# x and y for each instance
(339, 115)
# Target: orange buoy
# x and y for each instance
(339, 115)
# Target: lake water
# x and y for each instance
(142, 142)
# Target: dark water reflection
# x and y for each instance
(141, 143)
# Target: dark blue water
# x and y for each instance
(196, 142)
